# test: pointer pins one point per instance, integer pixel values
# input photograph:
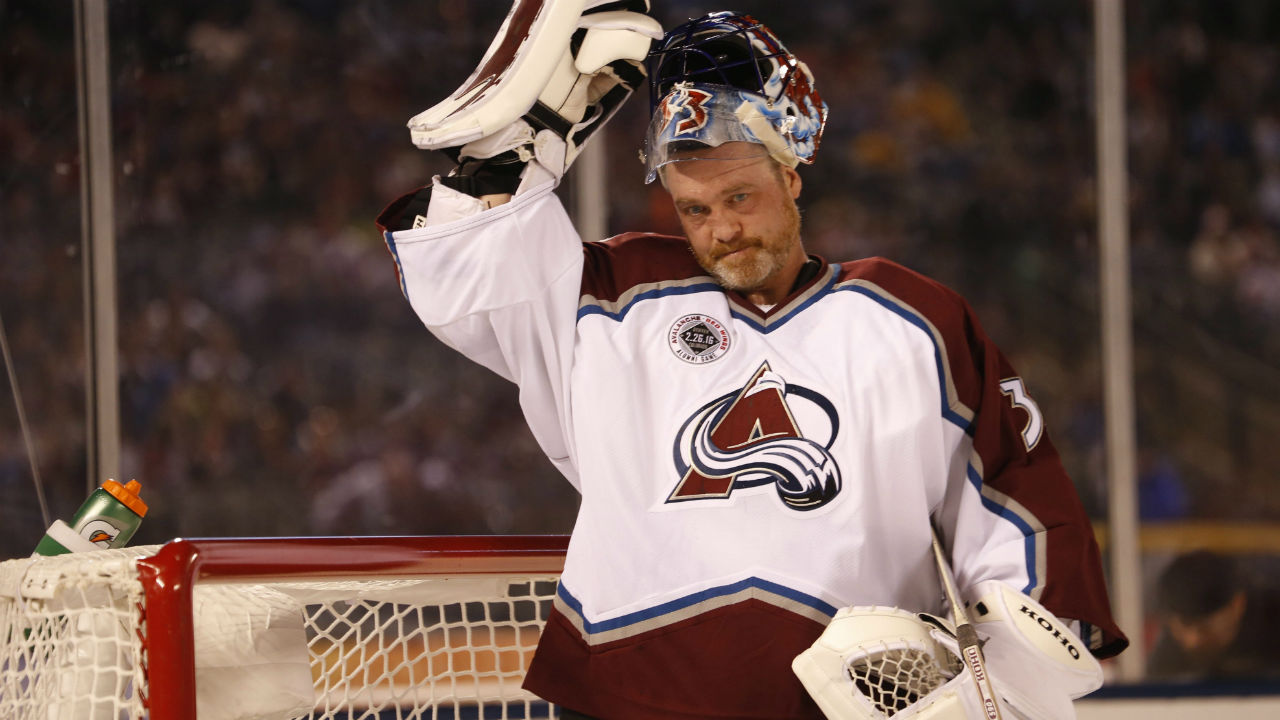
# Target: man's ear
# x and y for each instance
(792, 180)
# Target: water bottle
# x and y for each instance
(108, 519)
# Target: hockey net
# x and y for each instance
(278, 628)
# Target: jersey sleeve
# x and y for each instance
(501, 287)
(1011, 512)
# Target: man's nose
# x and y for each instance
(725, 227)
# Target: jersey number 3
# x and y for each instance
(1019, 398)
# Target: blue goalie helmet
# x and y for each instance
(726, 77)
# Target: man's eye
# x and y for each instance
(694, 210)
(740, 197)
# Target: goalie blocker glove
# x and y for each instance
(555, 74)
(872, 663)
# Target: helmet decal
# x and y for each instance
(686, 107)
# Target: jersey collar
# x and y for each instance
(814, 280)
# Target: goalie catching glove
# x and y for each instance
(555, 73)
(873, 663)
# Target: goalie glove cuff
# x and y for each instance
(480, 177)
(508, 162)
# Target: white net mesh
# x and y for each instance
(448, 657)
(72, 644)
(68, 637)
(896, 677)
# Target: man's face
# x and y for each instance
(737, 207)
(1209, 635)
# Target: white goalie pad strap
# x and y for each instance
(550, 151)
(873, 663)
(551, 160)
(515, 136)
(1037, 663)
(529, 61)
(547, 148)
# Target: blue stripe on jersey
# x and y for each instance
(395, 256)
(647, 295)
(671, 606)
(915, 319)
(1028, 533)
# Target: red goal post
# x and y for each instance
(391, 625)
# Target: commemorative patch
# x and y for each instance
(698, 339)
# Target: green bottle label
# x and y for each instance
(105, 521)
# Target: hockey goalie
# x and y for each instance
(764, 440)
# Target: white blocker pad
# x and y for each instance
(530, 60)
(1037, 663)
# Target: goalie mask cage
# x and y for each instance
(278, 628)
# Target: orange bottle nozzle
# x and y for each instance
(128, 495)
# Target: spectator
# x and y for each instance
(1217, 623)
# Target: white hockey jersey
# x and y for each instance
(745, 473)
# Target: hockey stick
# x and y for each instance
(966, 636)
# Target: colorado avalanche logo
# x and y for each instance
(750, 438)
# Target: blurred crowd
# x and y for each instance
(274, 380)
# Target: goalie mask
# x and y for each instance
(726, 77)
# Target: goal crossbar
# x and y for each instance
(457, 576)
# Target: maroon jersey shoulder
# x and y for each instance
(947, 315)
(613, 266)
(892, 275)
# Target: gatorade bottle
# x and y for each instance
(108, 519)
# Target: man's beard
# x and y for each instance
(751, 270)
